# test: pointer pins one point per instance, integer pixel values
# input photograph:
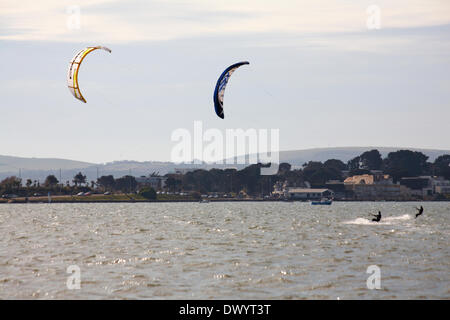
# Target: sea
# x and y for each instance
(224, 250)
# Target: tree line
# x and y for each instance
(399, 164)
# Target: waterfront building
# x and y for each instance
(376, 187)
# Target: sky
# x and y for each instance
(317, 73)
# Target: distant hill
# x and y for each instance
(299, 157)
(40, 168)
(13, 164)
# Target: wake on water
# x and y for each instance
(384, 220)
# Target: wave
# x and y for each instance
(384, 220)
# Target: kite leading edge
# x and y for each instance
(221, 85)
(74, 66)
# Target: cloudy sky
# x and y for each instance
(317, 72)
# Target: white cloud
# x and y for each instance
(110, 21)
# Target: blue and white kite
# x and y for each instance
(221, 85)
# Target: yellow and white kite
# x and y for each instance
(74, 66)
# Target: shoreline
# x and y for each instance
(56, 201)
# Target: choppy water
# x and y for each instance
(259, 250)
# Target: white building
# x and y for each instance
(308, 193)
(440, 185)
(425, 186)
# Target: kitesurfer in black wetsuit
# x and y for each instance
(420, 211)
(377, 217)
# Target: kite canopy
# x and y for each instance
(74, 66)
(221, 85)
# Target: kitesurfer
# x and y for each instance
(377, 217)
(420, 211)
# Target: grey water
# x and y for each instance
(224, 250)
